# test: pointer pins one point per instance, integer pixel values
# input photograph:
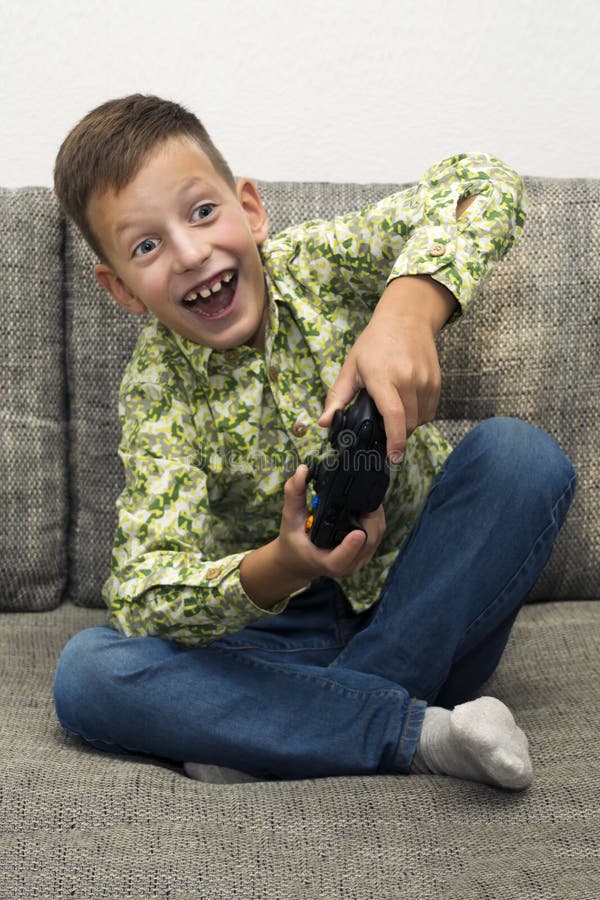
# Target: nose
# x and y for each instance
(190, 250)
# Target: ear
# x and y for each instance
(117, 288)
(251, 203)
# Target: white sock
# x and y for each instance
(478, 741)
(216, 774)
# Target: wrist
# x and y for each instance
(289, 564)
(418, 297)
(267, 577)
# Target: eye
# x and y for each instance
(204, 210)
(145, 247)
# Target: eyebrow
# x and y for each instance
(185, 186)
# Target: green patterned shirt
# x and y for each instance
(209, 437)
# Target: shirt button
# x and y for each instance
(273, 373)
(298, 429)
(436, 249)
(213, 572)
(231, 355)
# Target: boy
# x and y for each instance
(235, 645)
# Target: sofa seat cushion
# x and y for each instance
(77, 822)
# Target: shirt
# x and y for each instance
(209, 437)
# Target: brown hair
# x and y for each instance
(108, 147)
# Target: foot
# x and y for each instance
(478, 741)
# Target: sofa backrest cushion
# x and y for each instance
(527, 349)
(100, 339)
(33, 447)
(530, 350)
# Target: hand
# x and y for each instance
(395, 359)
(300, 556)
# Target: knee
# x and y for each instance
(520, 458)
(78, 671)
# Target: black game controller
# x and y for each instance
(353, 481)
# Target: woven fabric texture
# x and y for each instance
(531, 350)
(100, 339)
(33, 449)
(80, 823)
(528, 349)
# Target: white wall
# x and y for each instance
(357, 90)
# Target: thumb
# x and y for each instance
(295, 489)
(341, 393)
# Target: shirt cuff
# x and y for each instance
(192, 604)
(448, 256)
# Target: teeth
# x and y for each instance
(206, 292)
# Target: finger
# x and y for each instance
(342, 559)
(297, 481)
(365, 556)
(294, 499)
(431, 399)
(343, 390)
(410, 401)
(428, 409)
(390, 405)
(374, 524)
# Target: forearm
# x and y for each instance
(419, 296)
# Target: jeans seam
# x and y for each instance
(95, 741)
(414, 706)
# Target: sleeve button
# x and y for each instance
(436, 249)
(213, 572)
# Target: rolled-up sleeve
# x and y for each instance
(461, 253)
(168, 577)
(415, 232)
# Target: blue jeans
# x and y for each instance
(319, 690)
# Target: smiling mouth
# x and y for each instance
(214, 301)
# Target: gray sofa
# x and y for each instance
(79, 823)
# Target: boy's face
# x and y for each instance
(176, 232)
